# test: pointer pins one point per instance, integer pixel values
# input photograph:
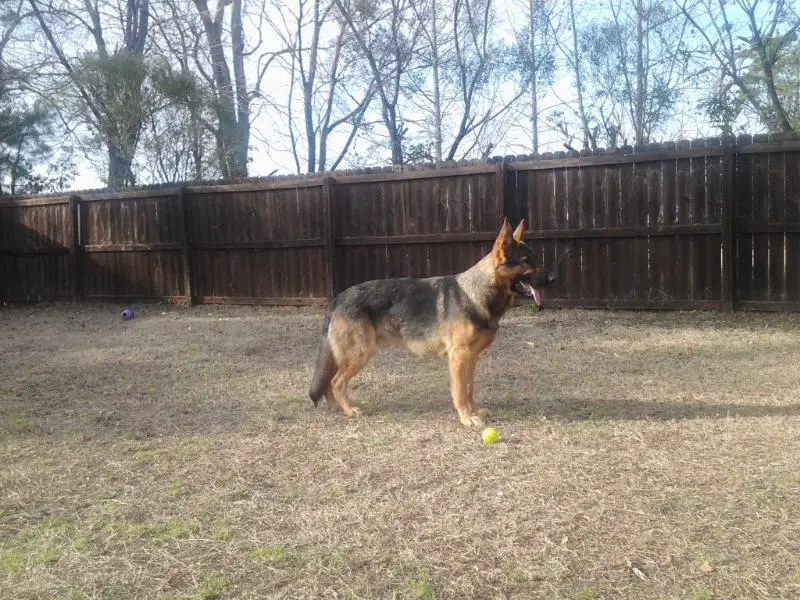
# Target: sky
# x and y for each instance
(270, 149)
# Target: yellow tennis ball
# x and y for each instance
(490, 435)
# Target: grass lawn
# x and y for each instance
(642, 456)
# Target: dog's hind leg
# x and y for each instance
(354, 344)
(340, 382)
(330, 399)
(347, 370)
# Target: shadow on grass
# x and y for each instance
(634, 410)
(571, 409)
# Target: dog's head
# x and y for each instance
(516, 268)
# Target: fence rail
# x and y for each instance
(707, 224)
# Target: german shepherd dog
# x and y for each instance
(454, 315)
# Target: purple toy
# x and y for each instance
(127, 314)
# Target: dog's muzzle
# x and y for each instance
(530, 288)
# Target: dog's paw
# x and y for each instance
(473, 420)
(353, 411)
(477, 420)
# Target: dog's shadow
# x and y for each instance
(618, 409)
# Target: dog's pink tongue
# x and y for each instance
(537, 297)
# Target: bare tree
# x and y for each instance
(589, 137)
(571, 52)
(387, 33)
(324, 70)
(636, 64)
(743, 37)
(464, 81)
(10, 18)
(630, 70)
(478, 62)
(432, 17)
(180, 140)
(538, 61)
(233, 95)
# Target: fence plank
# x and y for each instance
(500, 196)
(728, 240)
(75, 246)
(186, 247)
(329, 221)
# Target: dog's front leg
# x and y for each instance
(462, 374)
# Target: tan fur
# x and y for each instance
(466, 345)
(353, 345)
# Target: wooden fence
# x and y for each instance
(710, 224)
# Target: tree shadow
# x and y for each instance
(578, 409)
(33, 266)
(36, 264)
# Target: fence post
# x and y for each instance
(186, 249)
(75, 241)
(500, 193)
(728, 240)
(328, 208)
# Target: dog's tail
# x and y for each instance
(326, 365)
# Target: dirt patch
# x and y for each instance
(643, 455)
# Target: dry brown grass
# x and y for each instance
(177, 456)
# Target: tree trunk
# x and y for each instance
(437, 101)
(233, 161)
(309, 82)
(397, 146)
(781, 119)
(641, 84)
(242, 131)
(588, 140)
(323, 151)
(534, 91)
(120, 172)
(311, 134)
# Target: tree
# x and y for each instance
(481, 67)
(177, 141)
(109, 84)
(536, 59)
(24, 128)
(571, 51)
(387, 33)
(749, 42)
(431, 19)
(233, 96)
(180, 141)
(629, 67)
(325, 71)
(24, 149)
(726, 105)
(637, 63)
(463, 83)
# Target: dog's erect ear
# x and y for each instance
(519, 231)
(502, 245)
